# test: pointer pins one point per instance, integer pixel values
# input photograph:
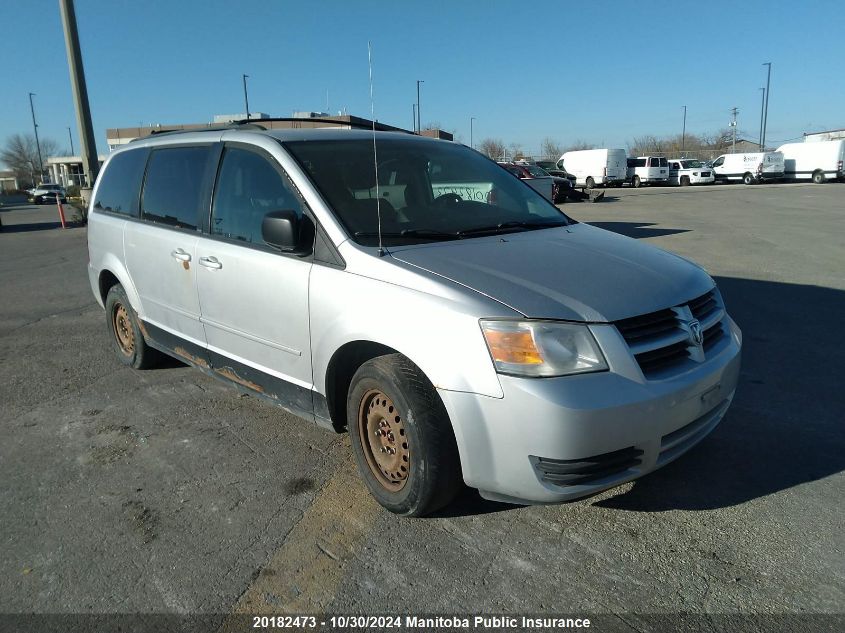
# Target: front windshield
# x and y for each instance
(687, 164)
(429, 191)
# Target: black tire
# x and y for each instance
(38, 200)
(423, 472)
(556, 193)
(590, 182)
(684, 181)
(636, 182)
(128, 340)
(818, 177)
(748, 179)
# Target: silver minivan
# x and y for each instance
(410, 291)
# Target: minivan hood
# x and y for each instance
(577, 273)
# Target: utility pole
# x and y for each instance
(414, 110)
(766, 107)
(684, 132)
(246, 97)
(734, 111)
(419, 118)
(70, 138)
(90, 162)
(471, 120)
(37, 143)
(762, 103)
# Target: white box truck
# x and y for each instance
(595, 166)
(819, 161)
(748, 167)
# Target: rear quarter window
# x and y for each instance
(173, 189)
(120, 183)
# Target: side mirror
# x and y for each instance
(280, 229)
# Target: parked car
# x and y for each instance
(561, 187)
(536, 178)
(647, 170)
(595, 166)
(816, 160)
(493, 341)
(46, 192)
(749, 167)
(686, 171)
(551, 167)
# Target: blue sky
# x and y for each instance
(602, 72)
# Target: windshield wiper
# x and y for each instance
(513, 224)
(421, 233)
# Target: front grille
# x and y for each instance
(575, 472)
(661, 342)
(705, 174)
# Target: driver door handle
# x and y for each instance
(210, 262)
(181, 255)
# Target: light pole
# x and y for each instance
(246, 97)
(766, 106)
(419, 118)
(414, 111)
(37, 143)
(70, 138)
(88, 146)
(684, 132)
(471, 121)
(762, 104)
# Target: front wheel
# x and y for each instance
(684, 181)
(401, 437)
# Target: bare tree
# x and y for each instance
(20, 154)
(516, 151)
(550, 149)
(493, 147)
(578, 145)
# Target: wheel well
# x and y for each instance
(342, 366)
(107, 280)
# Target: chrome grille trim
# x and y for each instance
(661, 341)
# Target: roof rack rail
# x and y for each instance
(234, 125)
(344, 120)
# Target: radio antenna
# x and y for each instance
(375, 151)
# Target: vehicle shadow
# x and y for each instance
(784, 427)
(34, 226)
(636, 230)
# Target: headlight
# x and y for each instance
(542, 348)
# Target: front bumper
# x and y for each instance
(519, 448)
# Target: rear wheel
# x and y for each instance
(684, 181)
(590, 182)
(748, 179)
(401, 437)
(131, 348)
(636, 182)
(818, 177)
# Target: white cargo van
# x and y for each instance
(818, 161)
(749, 167)
(595, 166)
(649, 170)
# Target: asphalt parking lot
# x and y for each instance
(164, 491)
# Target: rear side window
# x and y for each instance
(248, 188)
(121, 183)
(173, 189)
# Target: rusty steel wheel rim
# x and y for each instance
(123, 331)
(384, 440)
